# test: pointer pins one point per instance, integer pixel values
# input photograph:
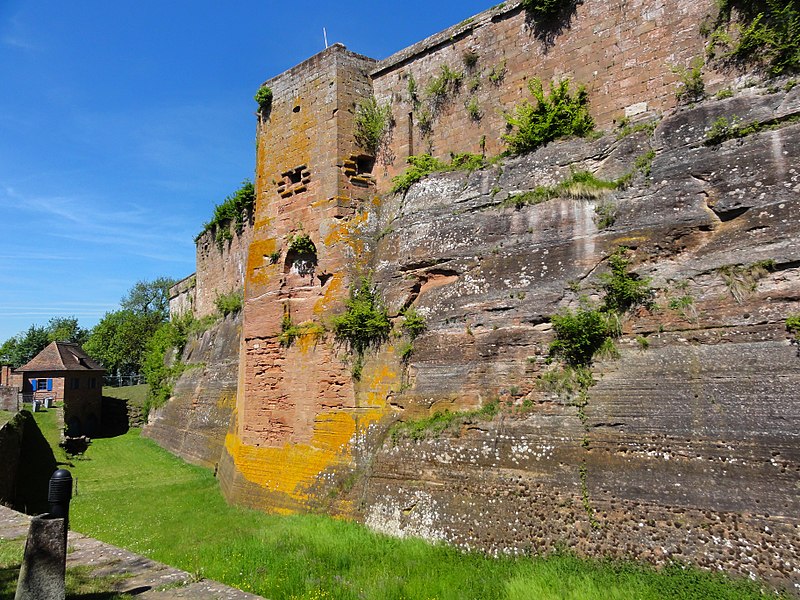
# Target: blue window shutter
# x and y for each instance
(49, 385)
(33, 384)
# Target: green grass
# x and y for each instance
(133, 494)
(136, 394)
(5, 417)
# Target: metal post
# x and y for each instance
(60, 494)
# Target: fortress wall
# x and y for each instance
(220, 270)
(183, 296)
(623, 52)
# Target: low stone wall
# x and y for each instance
(9, 398)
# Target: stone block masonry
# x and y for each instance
(623, 52)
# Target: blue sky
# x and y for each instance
(123, 123)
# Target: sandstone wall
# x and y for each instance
(220, 268)
(194, 422)
(296, 405)
(623, 52)
(687, 448)
(183, 296)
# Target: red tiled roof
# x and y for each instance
(61, 356)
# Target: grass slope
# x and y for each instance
(135, 394)
(134, 494)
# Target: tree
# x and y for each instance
(23, 347)
(66, 329)
(119, 339)
(149, 298)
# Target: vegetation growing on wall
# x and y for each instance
(440, 87)
(229, 303)
(691, 87)
(440, 422)
(364, 322)
(302, 244)
(371, 122)
(422, 165)
(264, 98)
(235, 209)
(724, 128)
(765, 32)
(793, 326)
(558, 114)
(159, 368)
(290, 332)
(742, 280)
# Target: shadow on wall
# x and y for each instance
(549, 18)
(115, 417)
(36, 465)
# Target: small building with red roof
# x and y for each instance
(64, 372)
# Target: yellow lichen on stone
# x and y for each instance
(334, 293)
(294, 469)
(257, 262)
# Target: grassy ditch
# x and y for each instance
(134, 494)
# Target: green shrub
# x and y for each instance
(470, 58)
(364, 322)
(422, 165)
(290, 332)
(623, 289)
(413, 323)
(234, 209)
(229, 303)
(567, 381)
(605, 214)
(371, 121)
(546, 11)
(497, 73)
(448, 81)
(302, 244)
(793, 325)
(169, 337)
(580, 185)
(691, 87)
(264, 98)
(473, 109)
(556, 115)
(466, 161)
(579, 335)
(441, 421)
(767, 33)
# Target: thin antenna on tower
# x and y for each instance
(325, 35)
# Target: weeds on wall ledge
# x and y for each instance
(371, 122)
(557, 114)
(234, 211)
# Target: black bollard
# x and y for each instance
(43, 568)
(60, 494)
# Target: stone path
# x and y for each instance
(144, 578)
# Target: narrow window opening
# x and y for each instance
(365, 164)
(410, 133)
